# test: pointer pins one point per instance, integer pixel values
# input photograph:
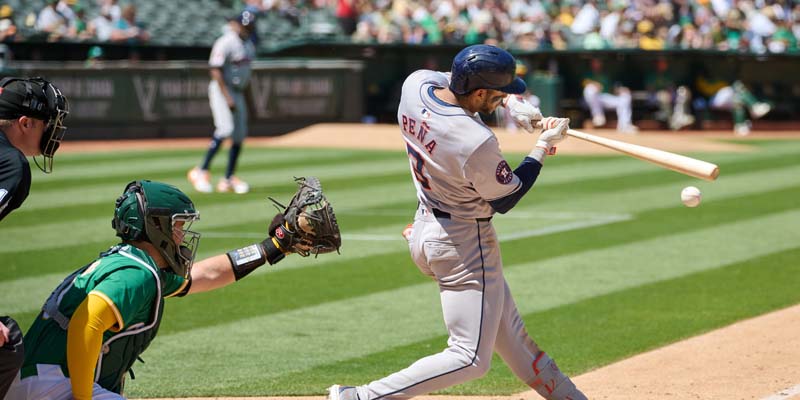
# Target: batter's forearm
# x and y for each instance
(527, 171)
(91, 319)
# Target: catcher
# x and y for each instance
(115, 302)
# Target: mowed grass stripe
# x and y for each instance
(312, 336)
(249, 164)
(580, 336)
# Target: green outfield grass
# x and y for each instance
(602, 258)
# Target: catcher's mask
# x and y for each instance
(40, 99)
(150, 211)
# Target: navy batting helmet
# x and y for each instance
(485, 67)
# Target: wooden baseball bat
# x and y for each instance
(676, 162)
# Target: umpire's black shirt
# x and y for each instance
(15, 177)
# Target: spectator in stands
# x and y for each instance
(52, 21)
(79, 28)
(127, 29)
(347, 14)
(671, 97)
(587, 19)
(594, 40)
(599, 95)
(110, 8)
(649, 40)
(735, 97)
(101, 27)
(8, 29)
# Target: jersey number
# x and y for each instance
(419, 163)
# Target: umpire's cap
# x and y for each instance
(484, 67)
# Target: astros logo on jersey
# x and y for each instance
(503, 173)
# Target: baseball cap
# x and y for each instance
(245, 18)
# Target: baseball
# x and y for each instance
(690, 196)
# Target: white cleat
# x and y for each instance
(339, 392)
(742, 129)
(200, 180)
(628, 130)
(233, 184)
(679, 121)
(759, 110)
(598, 121)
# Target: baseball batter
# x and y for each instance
(461, 180)
(230, 61)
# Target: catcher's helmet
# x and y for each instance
(484, 67)
(40, 99)
(148, 211)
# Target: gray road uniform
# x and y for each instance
(233, 55)
(461, 180)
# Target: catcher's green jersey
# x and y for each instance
(124, 276)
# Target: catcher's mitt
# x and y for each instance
(307, 225)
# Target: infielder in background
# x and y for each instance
(462, 179)
(230, 61)
(32, 113)
(735, 98)
(115, 303)
(597, 92)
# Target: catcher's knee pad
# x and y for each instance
(551, 383)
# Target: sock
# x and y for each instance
(212, 151)
(232, 159)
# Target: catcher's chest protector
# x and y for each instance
(121, 350)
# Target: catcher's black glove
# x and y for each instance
(307, 225)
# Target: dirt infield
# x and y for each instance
(387, 137)
(753, 359)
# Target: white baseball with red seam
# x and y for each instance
(691, 196)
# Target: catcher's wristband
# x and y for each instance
(246, 259)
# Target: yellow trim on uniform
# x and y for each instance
(120, 322)
(183, 285)
(91, 319)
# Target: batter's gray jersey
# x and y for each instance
(454, 156)
(233, 55)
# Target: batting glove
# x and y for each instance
(554, 131)
(522, 112)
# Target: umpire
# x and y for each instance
(32, 113)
